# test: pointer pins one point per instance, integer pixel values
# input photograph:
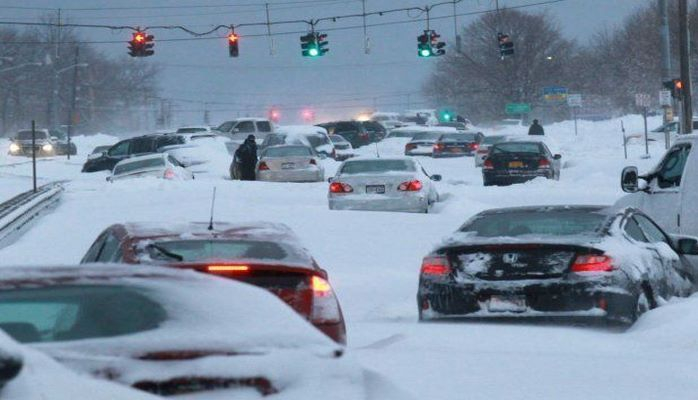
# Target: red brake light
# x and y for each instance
(321, 288)
(435, 266)
(474, 146)
(438, 146)
(169, 174)
(263, 166)
(543, 163)
(410, 146)
(593, 263)
(313, 162)
(488, 164)
(325, 306)
(339, 187)
(227, 268)
(412, 186)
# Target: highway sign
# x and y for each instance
(518, 108)
(574, 100)
(555, 93)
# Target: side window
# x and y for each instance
(111, 245)
(633, 230)
(119, 149)
(174, 161)
(141, 146)
(226, 126)
(263, 126)
(93, 252)
(671, 168)
(245, 126)
(652, 231)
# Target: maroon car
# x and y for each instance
(262, 254)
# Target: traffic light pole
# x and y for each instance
(684, 57)
(71, 114)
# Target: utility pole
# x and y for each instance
(71, 114)
(665, 48)
(685, 60)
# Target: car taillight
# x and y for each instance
(438, 146)
(325, 306)
(169, 174)
(263, 166)
(339, 187)
(474, 146)
(482, 151)
(488, 164)
(410, 146)
(543, 163)
(313, 162)
(228, 268)
(435, 266)
(593, 263)
(411, 186)
(363, 136)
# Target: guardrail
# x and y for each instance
(18, 212)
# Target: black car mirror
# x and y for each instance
(557, 156)
(329, 180)
(629, 180)
(10, 367)
(436, 178)
(688, 246)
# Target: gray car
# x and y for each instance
(290, 163)
(383, 184)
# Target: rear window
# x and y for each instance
(543, 223)
(169, 140)
(27, 135)
(263, 126)
(373, 126)
(458, 137)
(346, 127)
(493, 139)
(71, 312)
(338, 139)
(223, 250)
(191, 130)
(318, 140)
(516, 147)
(138, 165)
(426, 136)
(377, 166)
(401, 134)
(290, 151)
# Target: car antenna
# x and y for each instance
(213, 203)
(378, 154)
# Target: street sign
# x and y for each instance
(574, 100)
(643, 100)
(664, 98)
(555, 93)
(518, 108)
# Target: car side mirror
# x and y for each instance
(10, 367)
(629, 180)
(109, 179)
(436, 178)
(236, 130)
(687, 245)
(329, 180)
(557, 156)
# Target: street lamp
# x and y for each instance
(54, 93)
(21, 66)
(71, 115)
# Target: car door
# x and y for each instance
(244, 128)
(662, 202)
(117, 153)
(677, 278)
(263, 129)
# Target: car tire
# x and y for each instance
(487, 182)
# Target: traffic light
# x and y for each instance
(274, 114)
(677, 88)
(437, 47)
(424, 45)
(141, 45)
(314, 44)
(506, 46)
(233, 44)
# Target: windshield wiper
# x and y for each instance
(166, 252)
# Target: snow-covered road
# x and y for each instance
(373, 261)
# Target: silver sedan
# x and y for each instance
(290, 163)
(383, 184)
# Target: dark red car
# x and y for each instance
(262, 254)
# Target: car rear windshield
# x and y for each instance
(318, 140)
(288, 151)
(197, 250)
(338, 139)
(401, 134)
(493, 139)
(458, 137)
(377, 166)
(543, 223)
(427, 136)
(73, 312)
(27, 135)
(516, 147)
(191, 130)
(140, 164)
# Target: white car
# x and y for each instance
(289, 163)
(159, 165)
(198, 129)
(383, 184)
(484, 149)
(308, 135)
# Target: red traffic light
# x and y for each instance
(139, 37)
(232, 38)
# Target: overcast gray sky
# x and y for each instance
(338, 85)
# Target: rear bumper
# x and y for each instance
(447, 154)
(420, 151)
(497, 177)
(407, 203)
(336, 332)
(560, 299)
(290, 176)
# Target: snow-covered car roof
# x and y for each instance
(266, 230)
(300, 129)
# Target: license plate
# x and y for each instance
(456, 150)
(288, 165)
(516, 164)
(377, 189)
(507, 304)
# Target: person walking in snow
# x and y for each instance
(536, 129)
(246, 156)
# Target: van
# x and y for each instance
(669, 192)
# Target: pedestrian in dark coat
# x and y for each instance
(536, 129)
(246, 155)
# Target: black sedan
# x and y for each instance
(519, 161)
(457, 144)
(563, 261)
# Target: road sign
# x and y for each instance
(643, 100)
(555, 93)
(574, 100)
(518, 108)
(664, 98)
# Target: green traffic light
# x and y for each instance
(424, 53)
(447, 117)
(313, 52)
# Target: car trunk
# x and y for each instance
(514, 261)
(515, 161)
(158, 172)
(376, 184)
(287, 163)
(455, 147)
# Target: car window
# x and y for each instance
(111, 245)
(516, 147)
(120, 149)
(142, 146)
(426, 136)
(458, 137)
(347, 127)
(338, 139)
(493, 139)
(27, 135)
(539, 222)
(652, 231)
(174, 161)
(263, 126)
(671, 168)
(148, 163)
(169, 140)
(206, 250)
(226, 126)
(245, 126)
(94, 250)
(377, 166)
(318, 140)
(191, 130)
(288, 151)
(633, 230)
(401, 134)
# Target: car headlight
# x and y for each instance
(47, 147)
(14, 148)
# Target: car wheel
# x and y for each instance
(642, 305)
(487, 182)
